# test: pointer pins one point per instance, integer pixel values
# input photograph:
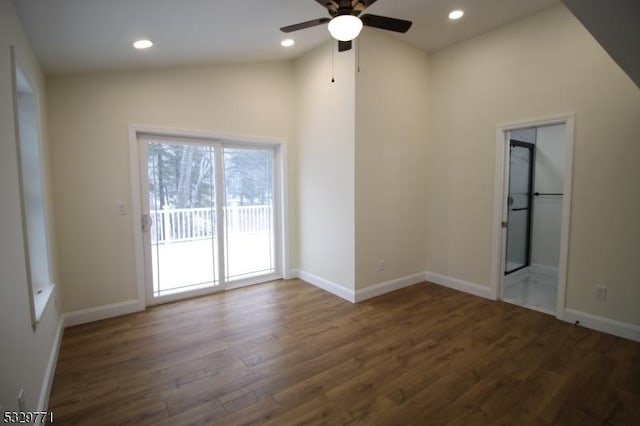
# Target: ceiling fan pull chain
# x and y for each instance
(333, 80)
(358, 52)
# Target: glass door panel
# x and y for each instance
(182, 217)
(519, 206)
(249, 213)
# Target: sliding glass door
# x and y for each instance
(208, 216)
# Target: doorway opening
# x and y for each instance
(534, 168)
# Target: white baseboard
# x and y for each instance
(326, 285)
(45, 391)
(456, 284)
(363, 294)
(290, 274)
(606, 325)
(388, 287)
(100, 312)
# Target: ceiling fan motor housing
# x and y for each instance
(345, 7)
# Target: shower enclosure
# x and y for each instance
(520, 205)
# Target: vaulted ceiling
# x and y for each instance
(81, 35)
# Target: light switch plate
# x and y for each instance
(121, 208)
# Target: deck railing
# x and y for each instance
(172, 225)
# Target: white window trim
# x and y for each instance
(39, 296)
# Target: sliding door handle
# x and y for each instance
(146, 222)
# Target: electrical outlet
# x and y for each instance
(600, 293)
(380, 265)
(21, 405)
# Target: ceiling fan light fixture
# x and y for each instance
(345, 27)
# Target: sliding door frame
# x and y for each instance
(220, 141)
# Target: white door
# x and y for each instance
(208, 216)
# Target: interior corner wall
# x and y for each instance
(541, 66)
(25, 352)
(89, 116)
(390, 174)
(326, 149)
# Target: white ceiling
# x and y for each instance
(82, 35)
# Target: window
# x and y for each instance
(33, 201)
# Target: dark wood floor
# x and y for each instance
(288, 353)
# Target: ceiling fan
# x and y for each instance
(346, 23)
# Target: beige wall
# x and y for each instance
(391, 136)
(326, 138)
(544, 65)
(25, 353)
(90, 115)
(360, 189)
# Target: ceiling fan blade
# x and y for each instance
(386, 23)
(343, 46)
(303, 25)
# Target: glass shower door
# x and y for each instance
(519, 206)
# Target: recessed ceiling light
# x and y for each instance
(456, 14)
(287, 42)
(142, 44)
